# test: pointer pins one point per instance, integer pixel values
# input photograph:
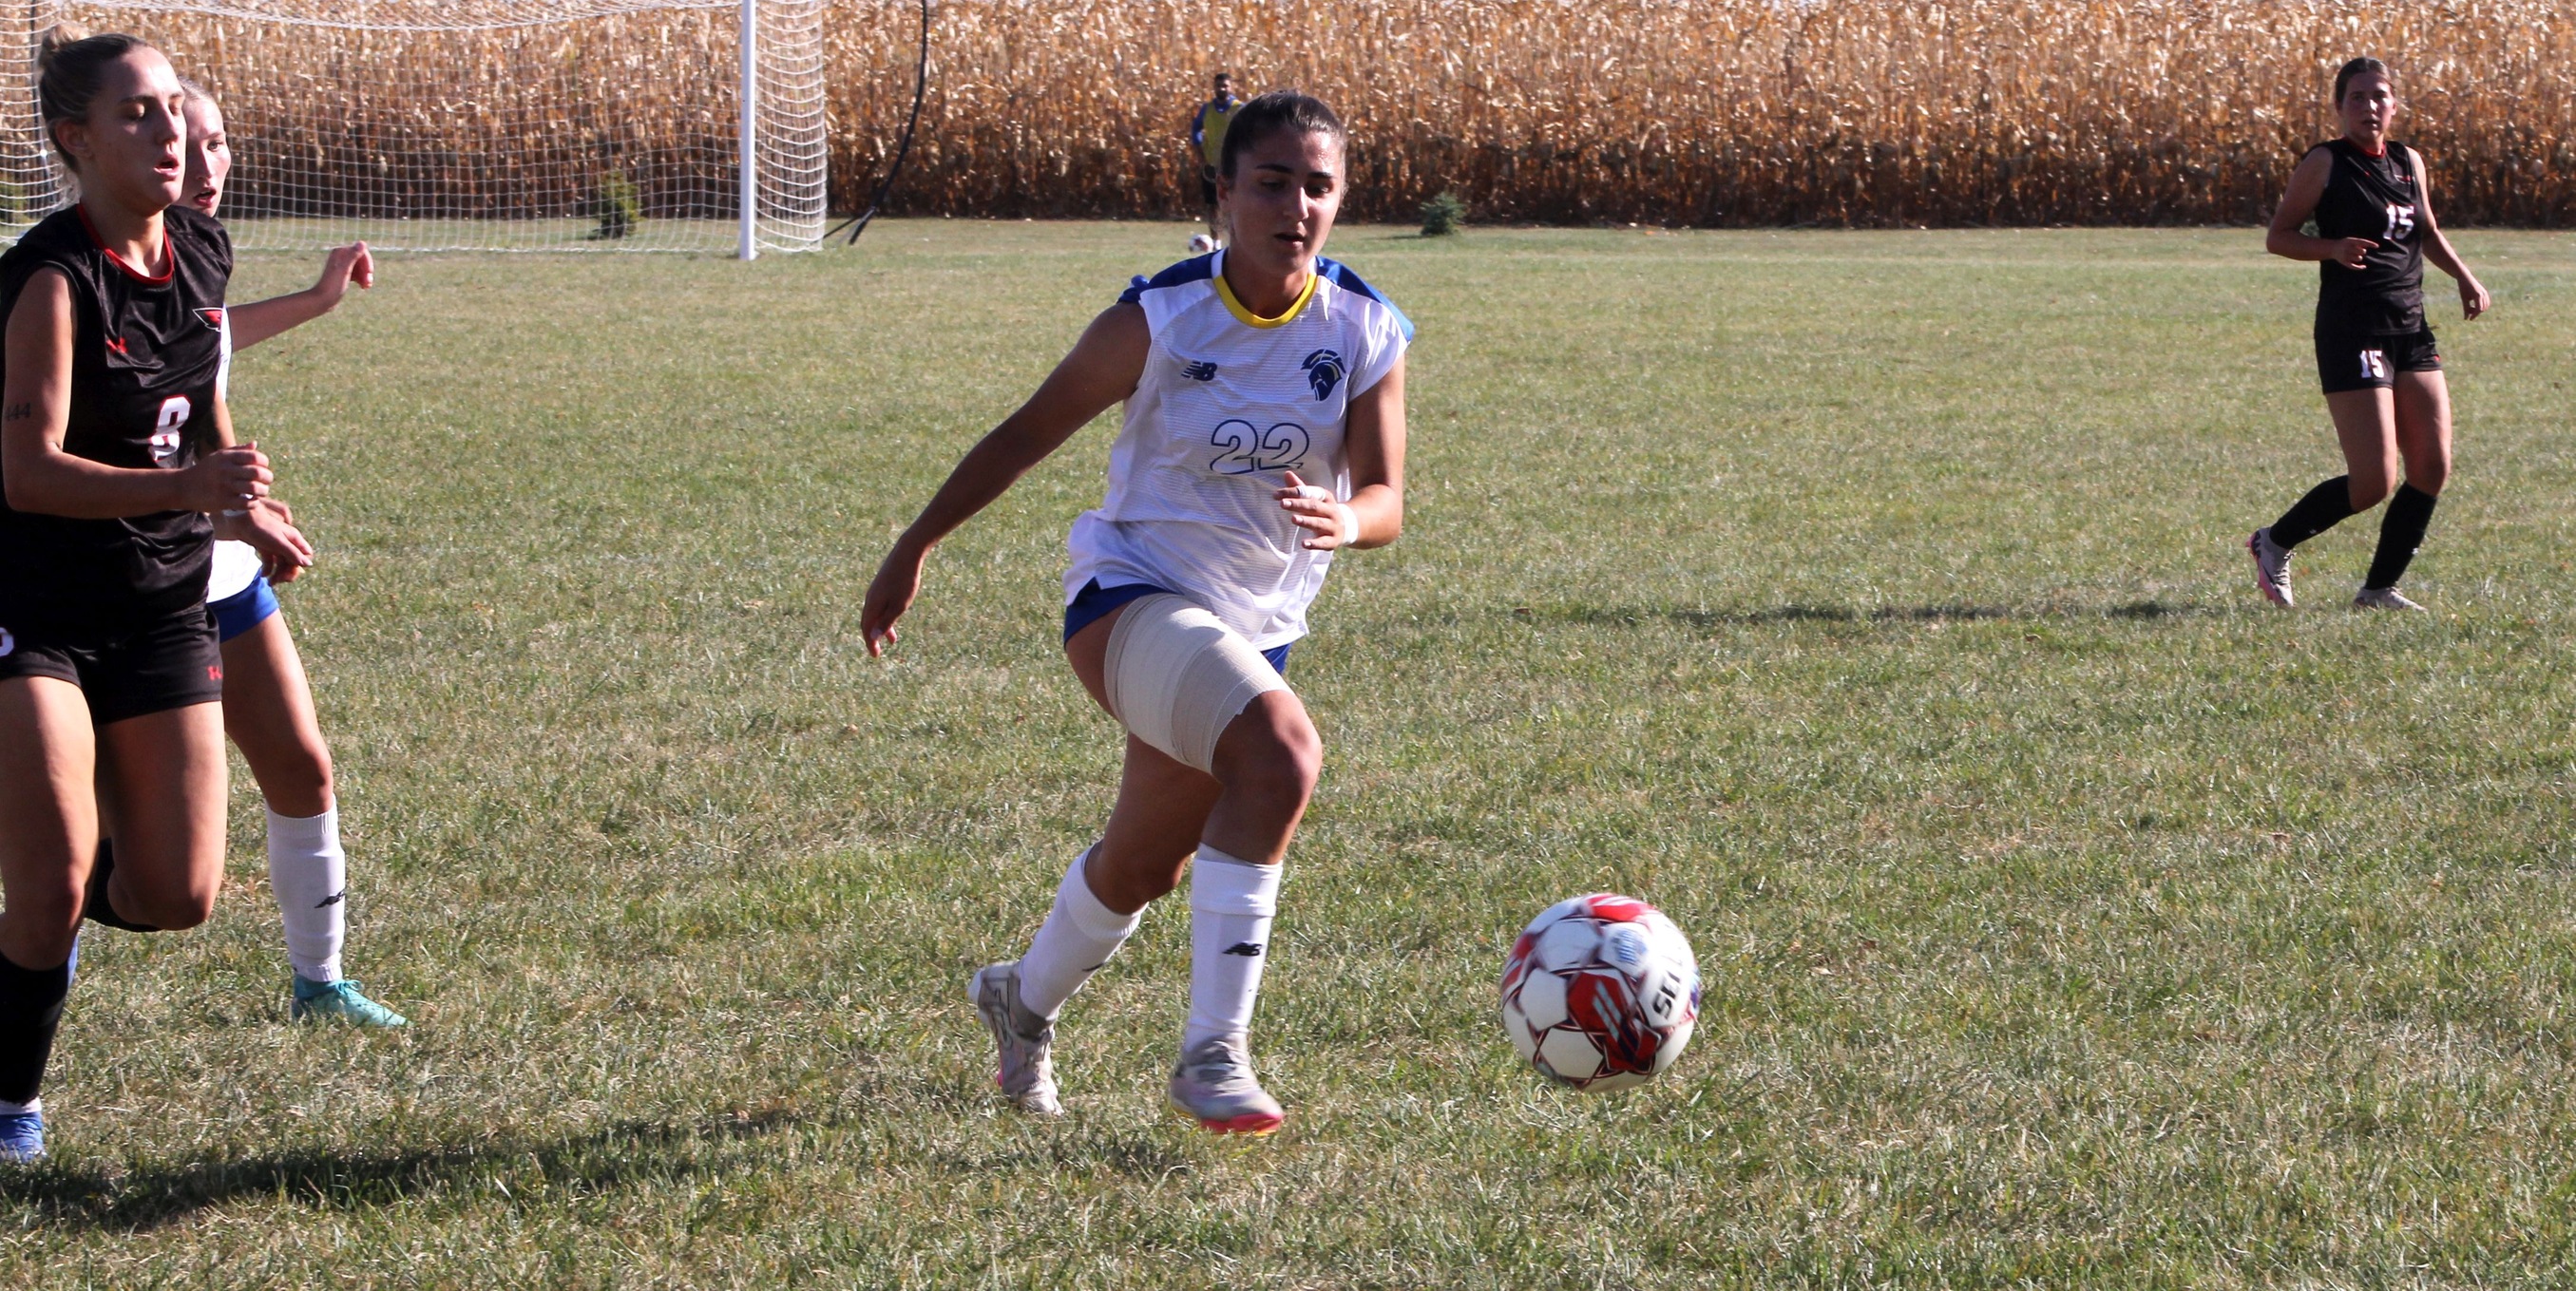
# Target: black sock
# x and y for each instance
(2327, 505)
(2401, 531)
(31, 1009)
(94, 903)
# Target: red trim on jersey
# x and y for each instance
(167, 271)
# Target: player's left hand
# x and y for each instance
(2474, 299)
(342, 266)
(1329, 522)
(284, 552)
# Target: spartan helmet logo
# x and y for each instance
(1323, 371)
(8, 643)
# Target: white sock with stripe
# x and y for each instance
(1077, 939)
(1231, 905)
(308, 874)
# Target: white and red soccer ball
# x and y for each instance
(1601, 992)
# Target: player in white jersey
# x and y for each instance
(268, 706)
(1264, 430)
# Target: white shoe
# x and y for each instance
(2271, 567)
(1214, 1085)
(1025, 1068)
(2384, 598)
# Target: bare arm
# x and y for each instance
(2437, 247)
(1374, 440)
(35, 414)
(260, 320)
(2298, 203)
(1102, 369)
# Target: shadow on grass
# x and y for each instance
(1959, 613)
(154, 1197)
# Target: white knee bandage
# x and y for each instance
(1176, 676)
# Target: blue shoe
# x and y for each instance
(22, 1136)
(341, 1001)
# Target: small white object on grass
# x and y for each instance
(1201, 244)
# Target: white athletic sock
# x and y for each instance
(308, 874)
(1077, 939)
(8, 1108)
(1231, 903)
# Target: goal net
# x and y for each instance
(500, 125)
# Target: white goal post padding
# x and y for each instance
(503, 125)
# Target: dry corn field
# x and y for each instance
(1714, 112)
(1705, 112)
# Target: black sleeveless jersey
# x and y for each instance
(146, 354)
(2375, 198)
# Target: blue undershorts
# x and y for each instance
(243, 610)
(1094, 602)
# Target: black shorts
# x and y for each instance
(2361, 361)
(1207, 187)
(169, 663)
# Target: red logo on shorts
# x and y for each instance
(214, 673)
(116, 343)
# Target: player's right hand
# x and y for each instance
(898, 580)
(227, 479)
(2353, 253)
(284, 552)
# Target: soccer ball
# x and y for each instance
(1201, 244)
(1600, 992)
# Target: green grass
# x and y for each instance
(1871, 602)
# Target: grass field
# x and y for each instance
(1871, 602)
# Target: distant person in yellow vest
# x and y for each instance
(1207, 135)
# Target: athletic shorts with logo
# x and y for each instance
(2363, 361)
(167, 662)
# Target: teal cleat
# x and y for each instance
(341, 1001)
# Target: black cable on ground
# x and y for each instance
(858, 224)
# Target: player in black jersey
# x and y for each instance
(117, 469)
(2372, 204)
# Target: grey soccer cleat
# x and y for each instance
(1025, 1070)
(1214, 1085)
(2271, 567)
(2384, 598)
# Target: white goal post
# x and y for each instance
(487, 125)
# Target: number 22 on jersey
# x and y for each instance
(1247, 450)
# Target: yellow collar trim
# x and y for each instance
(1250, 319)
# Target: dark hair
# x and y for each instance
(1223, 76)
(1274, 112)
(70, 66)
(2355, 68)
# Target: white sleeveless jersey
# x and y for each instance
(1230, 403)
(236, 564)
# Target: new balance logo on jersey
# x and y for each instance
(1247, 949)
(1323, 371)
(1198, 371)
(213, 318)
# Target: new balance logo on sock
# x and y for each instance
(1247, 949)
(331, 900)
